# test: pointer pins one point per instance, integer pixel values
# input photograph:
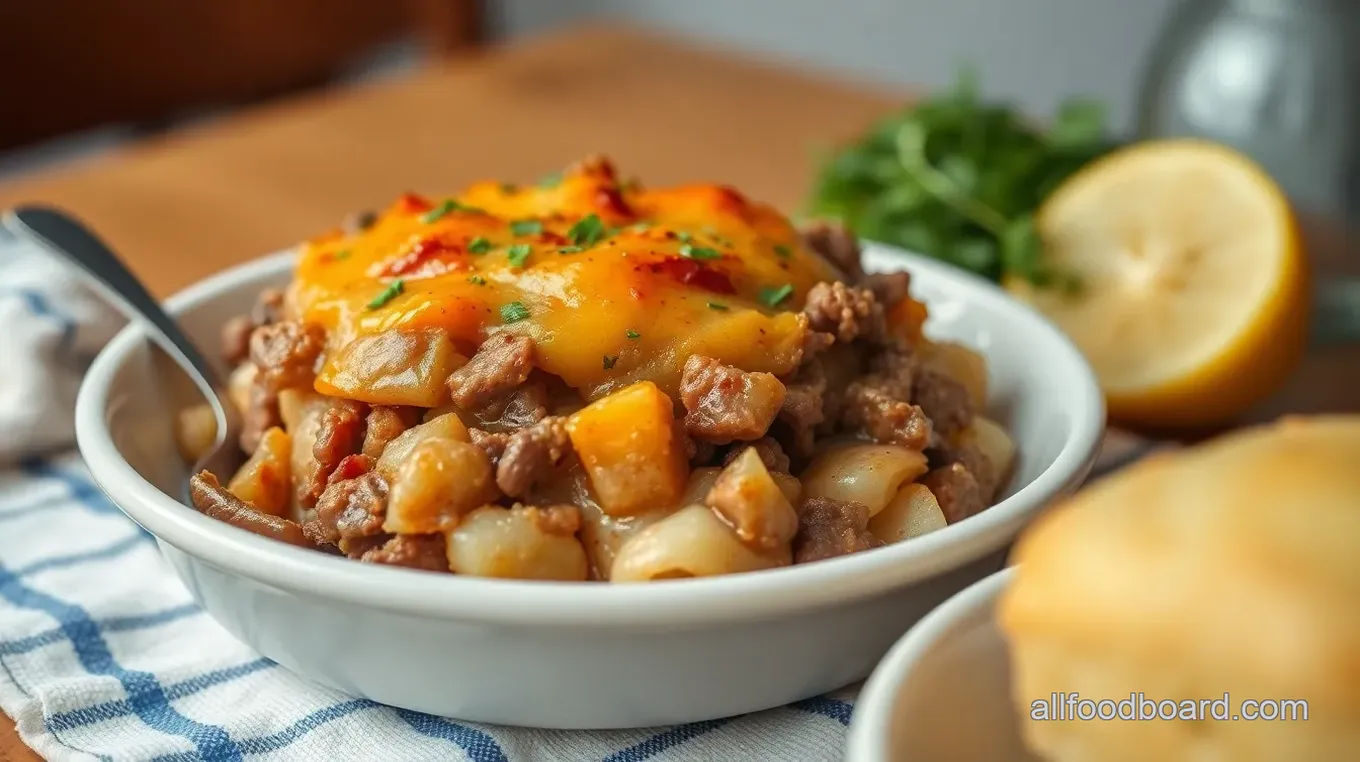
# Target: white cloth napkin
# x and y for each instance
(51, 326)
(104, 656)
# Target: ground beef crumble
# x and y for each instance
(349, 509)
(831, 528)
(837, 244)
(724, 403)
(502, 363)
(846, 312)
(532, 454)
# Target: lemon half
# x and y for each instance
(1193, 293)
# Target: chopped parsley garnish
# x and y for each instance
(771, 297)
(514, 312)
(609, 362)
(449, 205)
(699, 252)
(392, 291)
(684, 237)
(519, 254)
(342, 255)
(551, 181)
(571, 249)
(630, 333)
(479, 245)
(718, 306)
(526, 227)
(587, 231)
(477, 280)
(783, 251)
(508, 188)
(641, 227)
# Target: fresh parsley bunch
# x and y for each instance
(960, 180)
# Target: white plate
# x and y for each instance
(579, 655)
(942, 694)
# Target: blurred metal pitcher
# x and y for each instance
(1277, 80)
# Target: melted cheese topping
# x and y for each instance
(615, 284)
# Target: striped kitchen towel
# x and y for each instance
(104, 656)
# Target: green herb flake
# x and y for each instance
(477, 280)
(610, 361)
(718, 306)
(526, 227)
(508, 188)
(587, 231)
(772, 297)
(446, 207)
(514, 312)
(518, 254)
(684, 237)
(393, 290)
(438, 212)
(479, 245)
(550, 181)
(342, 255)
(630, 333)
(571, 250)
(699, 252)
(782, 251)
(641, 227)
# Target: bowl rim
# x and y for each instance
(679, 603)
(869, 737)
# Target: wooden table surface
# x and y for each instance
(186, 205)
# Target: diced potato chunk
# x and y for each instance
(239, 383)
(869, 474)
(701, 480)
(750, 501)
(447, 426)
(692, 542)
(907, 318)
(195, 432)
(513, 543)
(399, 367)
(265, 481)
(912, 513)
(992, 441)
(439, 481)
(963, 365)
(293, 403)
(304, 433)
(627, 443)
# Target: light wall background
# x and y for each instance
(1033, 52)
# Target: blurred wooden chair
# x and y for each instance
(71, 65)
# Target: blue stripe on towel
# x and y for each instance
(46, 503)
(146, 697)
(665, 740)
(61, 562)
(112, 624)
(827, 707)
(110, 710)
(80, 488)
(479, 746)
(302, 727)
(37, 303)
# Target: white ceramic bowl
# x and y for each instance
(942, 694)
(579, 655)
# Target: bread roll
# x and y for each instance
(1232, 567)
